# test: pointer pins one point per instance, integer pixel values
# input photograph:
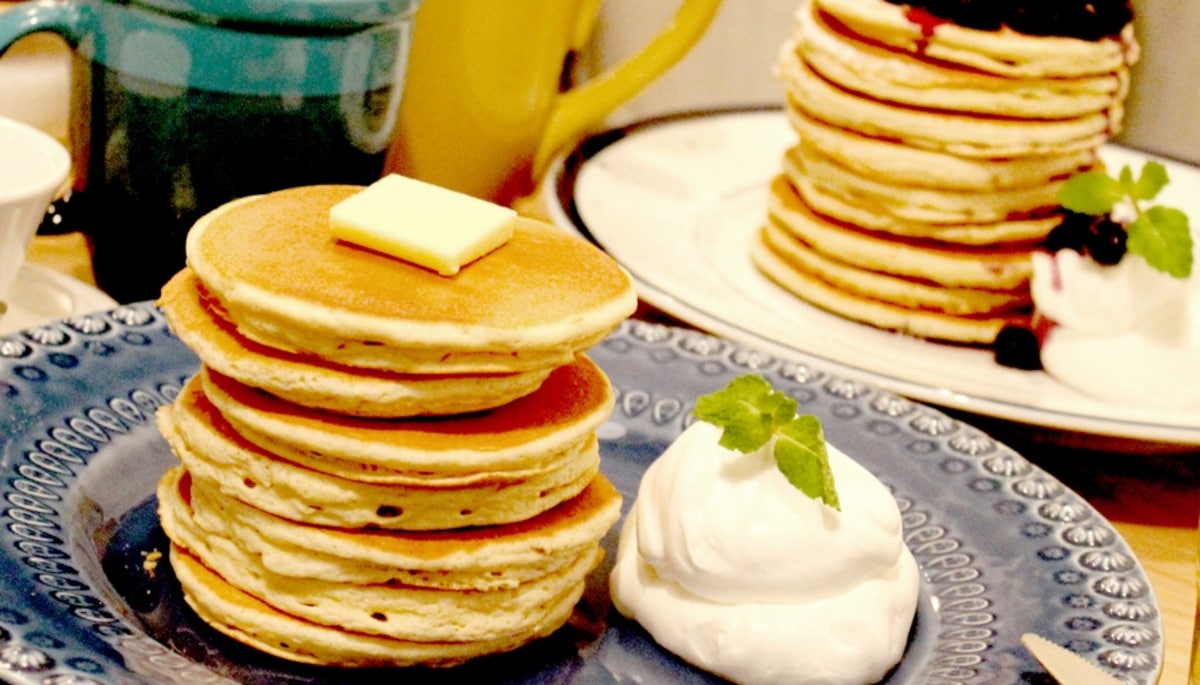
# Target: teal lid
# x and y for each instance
(324, 13)
(150, 49)
(251, 47)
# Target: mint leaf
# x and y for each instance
(1152, 180)
(1162, 237)
(801, 455)
(751, 413)
(1090, 192)
(748, 410)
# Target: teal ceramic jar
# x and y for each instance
(178, 106)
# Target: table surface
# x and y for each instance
(1152, 499)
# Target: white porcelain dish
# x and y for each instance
(42, 295)
(676, 201)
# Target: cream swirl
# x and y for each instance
(732, 568)
(1125, 332)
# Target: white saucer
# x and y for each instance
(42, 295)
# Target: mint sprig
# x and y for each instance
(751, 413)
(1160, 235)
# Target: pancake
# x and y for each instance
(215, 454)
(255, 623)
(1010, 233)
(392, 610)
(1003, 52)
(283, 281)
(904, 292)
(953, 132)
(311, 382)
(892, 75)
(530, 433)
(913, 205)
(927, 168)
(931, 325)
(991, 268)
(480, 558)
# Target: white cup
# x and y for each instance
(33, 166)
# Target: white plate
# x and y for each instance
(42, 295)
(676, 201)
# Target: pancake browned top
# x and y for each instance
(313, 382)
(578, 521)
(569, 406)
(283, 279)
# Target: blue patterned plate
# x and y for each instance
(1004, 547)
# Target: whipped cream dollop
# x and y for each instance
(729, 566)
(1125, 332)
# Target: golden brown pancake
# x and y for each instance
(313, 382)
(847, 210)
(392, 609)
(525, 433)
(928, 168)
(904, 292)
(482, 558)
(285, 282)
(253, 622)
(957, 133)
(998, 268)
(215, 453)
(910, 205)
(1004, 52)
(933, 325)
(886, 73)
(290, 491)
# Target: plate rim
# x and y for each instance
(84, 297)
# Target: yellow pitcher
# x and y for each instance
(483, 111)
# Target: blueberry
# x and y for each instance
(1035, 17)
(1071, 233)
(1106, 241)
(1017, 347)
(944, 9)
(985, 15)
(1084, 19)
(1099, 18)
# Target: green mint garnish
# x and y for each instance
(1160, 235)
(752, 413)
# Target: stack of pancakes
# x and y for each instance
(928, 163)
(381, 465)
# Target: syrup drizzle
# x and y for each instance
(927, 22)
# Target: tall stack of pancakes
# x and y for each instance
(929, 159)
(381, 465)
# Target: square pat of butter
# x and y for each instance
(422, 223)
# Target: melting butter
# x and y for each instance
(433, 227)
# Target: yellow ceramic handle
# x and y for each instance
(584, 23)
(585, 106)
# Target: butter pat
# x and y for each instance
(422, 223)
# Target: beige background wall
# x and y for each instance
(732, 65)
